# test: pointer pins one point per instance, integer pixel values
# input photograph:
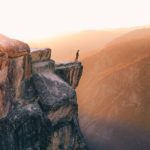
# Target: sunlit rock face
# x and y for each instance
(38, 109)
(15, 66)
(42, 54)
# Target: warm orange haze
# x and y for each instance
(114, 94)
(114, 42)
(38, 19)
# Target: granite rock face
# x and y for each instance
(38, 108)
(70, 72)
(13, 48)
(40, 54)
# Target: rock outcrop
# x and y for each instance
(38, 105)
(70, 72)
(13, 48)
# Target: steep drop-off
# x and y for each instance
(114, 96)
(38, 109)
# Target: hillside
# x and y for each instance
(133, 35)
(89, 42)
(114, 96)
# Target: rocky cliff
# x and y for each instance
(38, 104)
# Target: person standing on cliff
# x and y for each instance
(77, 55)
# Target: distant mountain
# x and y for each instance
(133, 35)
(89, 42)
(114, 97)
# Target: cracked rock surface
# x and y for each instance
(38, 107)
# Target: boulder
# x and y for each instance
(38, 108)
(41, 54)
(13, 48)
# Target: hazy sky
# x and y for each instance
(31, 19)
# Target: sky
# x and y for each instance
(37, 19)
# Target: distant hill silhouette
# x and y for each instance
(133, 35)
(89, 42)
(113, 94)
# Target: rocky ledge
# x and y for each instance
(38, 105)
(70, 72)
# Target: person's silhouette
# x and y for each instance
(77, 55)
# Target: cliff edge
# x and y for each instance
(38, 104)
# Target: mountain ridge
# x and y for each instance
(113, 96)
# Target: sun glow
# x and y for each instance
(34, 19)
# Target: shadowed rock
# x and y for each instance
(38, 110)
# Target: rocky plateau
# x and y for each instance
(38, 103)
